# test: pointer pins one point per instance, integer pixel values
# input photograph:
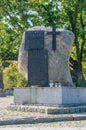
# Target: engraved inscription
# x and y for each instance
(38, 67)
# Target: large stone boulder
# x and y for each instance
(58, 61)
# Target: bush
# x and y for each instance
(21, 81)
(12, 78)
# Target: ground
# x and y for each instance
(7, 118)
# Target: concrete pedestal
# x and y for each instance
(60, 96)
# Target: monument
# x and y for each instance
(44, 61)
(44, 54)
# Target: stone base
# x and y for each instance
(47, 109)
(2, 93)
(58, 96)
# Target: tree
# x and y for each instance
(15, 19)
(48, 11)
(76, 17)
(17, 16)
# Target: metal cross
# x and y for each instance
(53, 33)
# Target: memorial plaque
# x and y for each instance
(34, 40)
(38, 67)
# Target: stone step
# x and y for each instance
(44, 119)
(48, 109)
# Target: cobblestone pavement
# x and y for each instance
(7, 116)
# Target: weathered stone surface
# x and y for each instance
(59, 96)
(58, 61)
(47, 109)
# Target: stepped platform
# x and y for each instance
(46, 114)
(48, 109)
(11, 114)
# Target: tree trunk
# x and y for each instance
(80, 76)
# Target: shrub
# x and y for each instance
(21, 81)
(12, 78)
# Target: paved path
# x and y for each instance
(16, 118)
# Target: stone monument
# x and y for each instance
(42, 62)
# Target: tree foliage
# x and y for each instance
(76, 17)
(19, 15)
